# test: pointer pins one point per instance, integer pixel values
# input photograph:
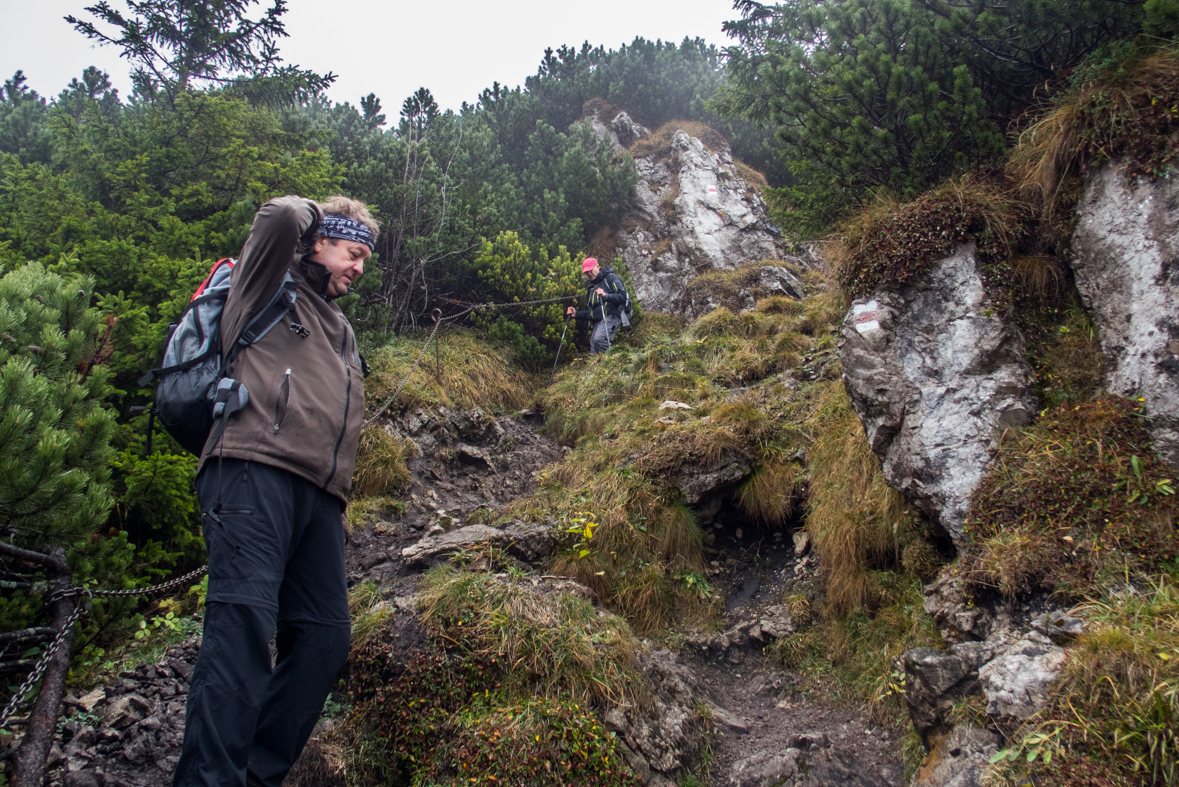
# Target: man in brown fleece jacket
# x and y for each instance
(272, 488)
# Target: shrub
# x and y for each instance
(889, 244)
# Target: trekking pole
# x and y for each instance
(559, 346)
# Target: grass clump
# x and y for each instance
(381, 464)
(1075, 501)
(473, 374)
(889, 244)
(857, 521)
(1114, 711)
(1065, 352)
(1125, 105)
(501, 684)
(557, 643)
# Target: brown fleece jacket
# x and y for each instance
(306, 404)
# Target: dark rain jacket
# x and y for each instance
(306, 393)
(597, 307)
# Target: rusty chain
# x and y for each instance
(42, 665)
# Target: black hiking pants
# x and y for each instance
(276, 569)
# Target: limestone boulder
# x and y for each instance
(936, 376)
(693, 212)
(1126, 262)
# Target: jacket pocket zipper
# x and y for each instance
(283, 401)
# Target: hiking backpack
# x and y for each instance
(627, 310)
(193, 393)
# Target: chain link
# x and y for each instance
(42, 664)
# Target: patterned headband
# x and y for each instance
(336, 226)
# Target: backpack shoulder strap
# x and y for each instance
(280, 305)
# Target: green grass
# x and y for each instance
(1114, 711)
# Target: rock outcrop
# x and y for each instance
(1126, 261)
(935, 377)
(1010, 672)
(693, 213)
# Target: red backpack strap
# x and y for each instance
(223, 261)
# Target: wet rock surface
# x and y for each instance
(1126, 262)
(935, 377)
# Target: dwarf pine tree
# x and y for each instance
(54, 433)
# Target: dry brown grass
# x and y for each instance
(381, 466)
(659, 141)
(1124, 110)
(855, 519)
(771, 494)
(473, 374)
(1039, 276)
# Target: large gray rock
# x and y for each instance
(693, 213)
(1016, 683)
(697, 480)
(661, 736)
(959, 759)
(527, 541)
(1126, 261)
(935, 377)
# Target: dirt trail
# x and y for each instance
(773, 733)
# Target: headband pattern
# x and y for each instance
(345, 228)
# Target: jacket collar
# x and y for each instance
(316, 275)
(601, 277)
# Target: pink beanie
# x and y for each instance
(588, 265)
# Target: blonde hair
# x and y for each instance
(340, 205)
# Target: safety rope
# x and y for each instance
(43, 662)
(401, 385)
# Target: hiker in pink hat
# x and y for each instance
(607, 304)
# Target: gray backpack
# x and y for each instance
(193, 393)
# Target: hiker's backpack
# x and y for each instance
(627, 310)
(194, 392)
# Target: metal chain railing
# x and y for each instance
(43, 662)
(438, 320)
(41, 666)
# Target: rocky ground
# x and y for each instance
(129, 731)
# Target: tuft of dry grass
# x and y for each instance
(381, 464)
(1129, 108)
(856, 520)
(659, 141)
(473, 374)
(557, 643)
(771, 495)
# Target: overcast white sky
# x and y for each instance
(390, 48)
